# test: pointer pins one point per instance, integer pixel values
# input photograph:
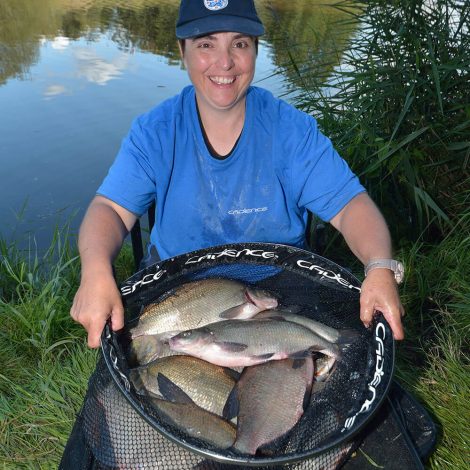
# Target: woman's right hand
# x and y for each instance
(102, 232)
(98, 299)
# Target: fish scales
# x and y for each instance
(207, 385)
(198, 423)
(199, 303)
(235, 343)
(270, 407)
(344, 336)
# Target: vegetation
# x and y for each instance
(399, 110)
(44, 361)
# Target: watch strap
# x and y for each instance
(392, 264)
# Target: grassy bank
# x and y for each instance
(45, 364)
(44, 361)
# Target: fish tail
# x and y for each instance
(136, 379)
(243, 446)
(347, 337)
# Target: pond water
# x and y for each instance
(74, 73)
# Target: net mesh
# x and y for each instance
(124, 431)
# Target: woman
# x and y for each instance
(226, 162)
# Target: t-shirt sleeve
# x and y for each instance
(130, 181)
(323, 182)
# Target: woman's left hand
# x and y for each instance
(379, 291)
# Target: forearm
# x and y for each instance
(364, 229)
(101, 236)
(367, 234)
(98, 299)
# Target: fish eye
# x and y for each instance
(186, 334)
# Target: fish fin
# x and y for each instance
(275, 316)
(333, 351)
(307, 396)
(232, 313)
(264, 356)
(232, 347)
(232, 405)
(164, 337)
(295, 309)
(136, 380)
(170, 391)
(300, 354)
(231, 373)
(297, 363)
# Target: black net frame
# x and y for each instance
(325, 292)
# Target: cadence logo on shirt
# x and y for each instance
(215, 4)
(247, 211)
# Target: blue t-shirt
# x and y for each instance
(281, 166)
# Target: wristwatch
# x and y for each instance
(392, 264)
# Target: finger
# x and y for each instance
(74, 309)
(397, 328)
(94, 334)
(366, 313)
(117, 318)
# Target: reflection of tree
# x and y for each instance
(306, 33)
(149, 29)
(18, 50)
(72, 25)
(301, 31)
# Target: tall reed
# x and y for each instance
(398, 108)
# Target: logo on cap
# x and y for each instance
(215, 4)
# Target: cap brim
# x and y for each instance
(219, 23)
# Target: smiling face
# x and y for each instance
(221, 67)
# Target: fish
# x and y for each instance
(237, 343)
(324, 366)
(199, 303)
(112, 422)
(186, 379)
(267, 407)
(333, 335)
(197, 422)
(145, 349)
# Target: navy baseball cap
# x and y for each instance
(201, 17)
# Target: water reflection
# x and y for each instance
(95, 69)
(305, 30)
(74, 73)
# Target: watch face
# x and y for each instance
(399, 272)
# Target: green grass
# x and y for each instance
(44, 361)
(434, 361)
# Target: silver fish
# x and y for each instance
(268, 407)
(236, 343)
(199, 303)
(197, 422)
(343, 336)
(186, 379)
